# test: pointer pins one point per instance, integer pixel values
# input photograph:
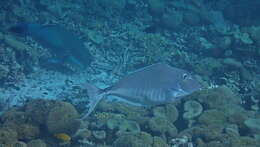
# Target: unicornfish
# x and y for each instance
(152, 85)
(65, 45)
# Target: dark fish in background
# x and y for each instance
(64, 44)
(152, 85)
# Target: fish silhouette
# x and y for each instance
(62, 43)
(152, 85)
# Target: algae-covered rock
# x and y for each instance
(38, 110)
(253, 124)
(200, 143)
(213, 116)
(232, 130)
(62, 118)
(146, 137)
(160, 125)
(14, 116)
(238, 141)
(7, 136)
(141, 139)
(36, 143)
(21, 122)
(192, 109)
(57, 117)
(20, 144)
(123, 125)
(217, 97)
(27, 131)
(130, 126)
(131, 112)
(168, 111)
(245, 141)
(113, 124)
(215, 144)
(208, 133)
(237, 115)
(100, 135)
(83, 133)
(159, 142)
(232, 63)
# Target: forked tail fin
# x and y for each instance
(94, 97)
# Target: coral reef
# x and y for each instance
(161, 126)
(62, 118)
(123, 125)
(168, 111)
(253, 125)
(192, 109)
(36, 142)
(141, 139)
(8, 136)
(21, 124)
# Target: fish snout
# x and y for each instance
(190, 84)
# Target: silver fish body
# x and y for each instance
(152, 85)
(155, 84)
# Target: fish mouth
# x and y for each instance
(178, 92)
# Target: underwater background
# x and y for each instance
(49, 50)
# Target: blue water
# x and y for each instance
(43, 76)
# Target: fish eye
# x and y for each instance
(185, 76)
